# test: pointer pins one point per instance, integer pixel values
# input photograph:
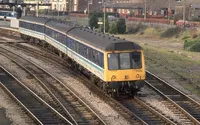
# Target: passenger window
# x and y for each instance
(85, 51)
(77, 47)
(90, 54)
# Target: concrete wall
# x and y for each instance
(14, 23)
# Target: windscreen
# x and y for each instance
(125, 60)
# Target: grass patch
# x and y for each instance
(181, 68)
(192, 45)
(171, 32)
(131, 28)
(152, 31)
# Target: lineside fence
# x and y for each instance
(151, 22)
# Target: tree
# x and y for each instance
(121, 26)
(113, 28)
(93, 20)
(177, 17)
(106, 24)
(19, 12)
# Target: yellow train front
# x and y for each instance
(124, 68)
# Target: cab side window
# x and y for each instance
(113, 61)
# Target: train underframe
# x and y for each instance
(114, 89)
(125, 88)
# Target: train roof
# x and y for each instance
(62, 27)
(99, 40)
(93, 38)
(40, 20)
(103, 41)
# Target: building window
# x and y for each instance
(55, 6)
(75, 1)
(60, 7)
(75, 7)
(122, 10)
(119, 10)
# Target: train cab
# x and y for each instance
(125, 67)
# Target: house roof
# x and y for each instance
(196, 6)
(125, 5)
(152, 4)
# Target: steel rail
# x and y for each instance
(184, 103)
(145, 112)
(54, 96)
(130, 116)
(40, 119)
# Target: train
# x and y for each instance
(114, 64)
(8, 14)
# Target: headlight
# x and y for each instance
(137, 76)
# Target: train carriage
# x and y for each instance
(32, 26)
(117, 65)
(75, 47)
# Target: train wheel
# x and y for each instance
(100, 84)
(93, 79)
(115, 93)
(105, 87)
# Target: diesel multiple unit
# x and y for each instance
(115, 64)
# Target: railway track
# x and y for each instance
(132, 113)
(185, 107)
(185, 119)
(145, 112)
(130, 116)
(183, 114)
(146, 116)
(36, 108)
(69, 104)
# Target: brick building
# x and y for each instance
(94, 5)
(154, 7)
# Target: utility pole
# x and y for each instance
(37, 8)
(169, 9)
(89, 2)
(58, 8)
(88, 7)
(145, 9)
(69, 6)
(104, 20)
(184, 12)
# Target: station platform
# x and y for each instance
(9, 34)
(6, 25)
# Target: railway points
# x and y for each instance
(69, 104)
(48, 57)
(35, 107)
(20, 46)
